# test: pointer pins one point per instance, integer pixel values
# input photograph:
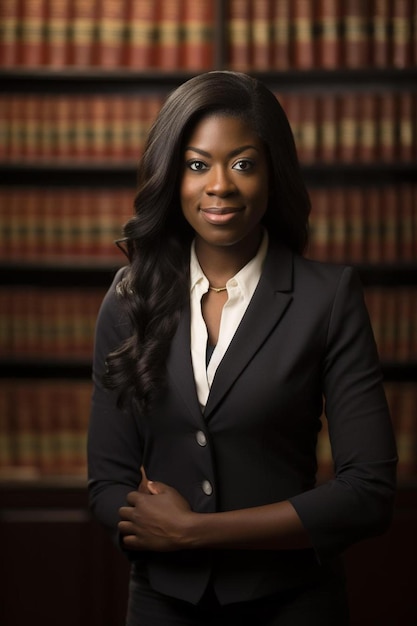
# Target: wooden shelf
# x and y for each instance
(115, 173)
(97, 80)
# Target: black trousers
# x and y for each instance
(320, 604)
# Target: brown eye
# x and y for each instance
(196, 166)
(243, 165)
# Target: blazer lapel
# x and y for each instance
(179, 366)
(269, 302)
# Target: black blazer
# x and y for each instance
(305, 335)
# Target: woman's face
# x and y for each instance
(224, 185)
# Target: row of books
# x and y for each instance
(75, 126)
(59, 225)
(138, 34)
(349, 127)
(49, 323)
(268, 35)
(58, 324)
(402, 400)
(260, 34)
(43, 429)
(369, 224)
(393, 313)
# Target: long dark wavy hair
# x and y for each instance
(157, 238)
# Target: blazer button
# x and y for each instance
(201, 438)
(206, 487)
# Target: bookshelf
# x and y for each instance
(74, 110)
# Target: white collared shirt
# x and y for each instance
(240, 290)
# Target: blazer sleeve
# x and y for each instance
(113, 445)
(358, 502)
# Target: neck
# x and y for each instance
(220, 263)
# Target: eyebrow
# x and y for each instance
(233, 153)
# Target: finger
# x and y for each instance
(126, 512)
(132, 498)
(126, 528)
(156, 488)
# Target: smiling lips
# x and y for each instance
(220, 215)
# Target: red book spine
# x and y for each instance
(261, 35)
(338, 222)
(32, 44)
(303, 55)
(328, 122)
(348, 126)
(310, 137)
(319, 245)
(9, 42)
(329, 21)
(381, 42)
(170, 34)
(387, 148)
(57, 33)
(82, 32)
(281, 20)
(356, 40)
(142, 30)
(239, 31)
(373, 213)
(407, 220)
(110, 49)
(389, 223)
(407, 126)
(199, 34)
(367, 128)
(402, 11)
(355, 224)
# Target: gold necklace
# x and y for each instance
(217, 289)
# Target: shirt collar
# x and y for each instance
(246, 279)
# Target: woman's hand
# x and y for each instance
(156, 518)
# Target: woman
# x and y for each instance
(214, 350)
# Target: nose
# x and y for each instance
(219, 182)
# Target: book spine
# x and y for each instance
(281, 20)
(356, 41)
(141, 34)
(9, 23)
(348, 128)
(83, 21)
(110, 48)
(239, 32)
(401, 33)
(338, 230)
(407, 126)
(310, 137)
(407, 432)
(381, 39)
(303, 53)
(198, 35)
(327, 123)
(261, 35)
(57, 33)
(373, 213)
(170, 34)
(367, 128)
(407, 222)
(387, 127)
(355, 245)
(32, 42)
(329, 27)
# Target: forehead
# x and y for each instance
(218, 130)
